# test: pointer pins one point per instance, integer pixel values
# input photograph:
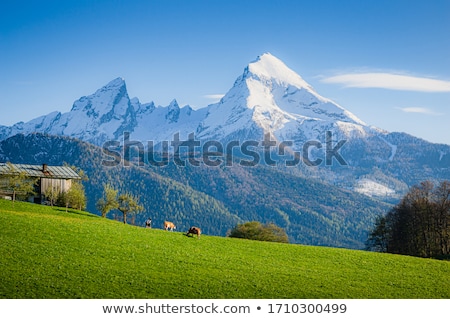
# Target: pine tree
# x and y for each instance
(379, 236)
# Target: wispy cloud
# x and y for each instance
(391, 81)
(214, 96)
(421, 110)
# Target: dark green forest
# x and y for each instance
(214, 198)
(418, 226)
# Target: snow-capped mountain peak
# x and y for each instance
(269, 68)
(270, 97)
(173, 111)
(105, 99)
(293, 94)
(267, 97)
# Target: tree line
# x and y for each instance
(418, 226)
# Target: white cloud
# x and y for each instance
(389, 81)
(215, 97)
(421, 110)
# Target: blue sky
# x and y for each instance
(388, 62)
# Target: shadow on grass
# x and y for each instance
(443, 257)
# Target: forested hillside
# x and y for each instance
(214, 198)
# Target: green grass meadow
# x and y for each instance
(48, 253)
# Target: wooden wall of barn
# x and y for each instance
(63, 185)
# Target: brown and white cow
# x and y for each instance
(169, 225)
(194, 231)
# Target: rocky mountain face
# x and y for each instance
(267, 97)
(271, 98)
(106, 115)
(269, 109)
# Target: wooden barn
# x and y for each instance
(60, 177)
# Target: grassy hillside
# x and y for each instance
(48, 253)
(218, 198)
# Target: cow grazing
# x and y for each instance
(169, 225)
(194, 231)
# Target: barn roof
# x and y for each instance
(44, 171)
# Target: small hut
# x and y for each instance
(60, 177)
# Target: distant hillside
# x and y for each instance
(311, 212)
(163, 198)
(267, 98)
(48, 253)
(215, 198)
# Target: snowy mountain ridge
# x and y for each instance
(106, 115)
(267, 97)
(270, 97)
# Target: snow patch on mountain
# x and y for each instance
(392, 146)
(371, 188)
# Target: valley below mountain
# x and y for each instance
(277, 152)
(214, 198)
